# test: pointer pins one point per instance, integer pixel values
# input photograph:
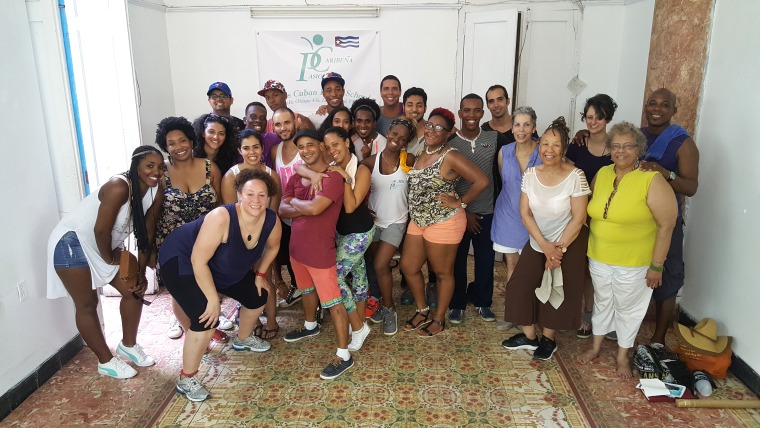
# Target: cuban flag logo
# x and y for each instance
(346, 41)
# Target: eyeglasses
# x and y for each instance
(626, 147)
(219, 97)
(436, 128)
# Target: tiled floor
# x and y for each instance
(460, 378)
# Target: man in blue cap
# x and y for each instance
(332, 90)
(220, 99)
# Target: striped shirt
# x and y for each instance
(481, 154)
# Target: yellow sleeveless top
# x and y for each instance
(626, 237)
(402, 162)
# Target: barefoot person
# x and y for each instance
(85, 248)
(633, 213)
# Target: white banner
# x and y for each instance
(299, 59)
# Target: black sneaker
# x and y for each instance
(336, 368)
(294, 295)
(546, 348)
(520, 341)
(301, 333)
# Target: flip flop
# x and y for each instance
(269, 334)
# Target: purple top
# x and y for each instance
(231, 260)
(508, 229)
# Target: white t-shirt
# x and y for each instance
(550, 205)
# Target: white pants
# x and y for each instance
(621, 299)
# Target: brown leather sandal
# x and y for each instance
(424, 332)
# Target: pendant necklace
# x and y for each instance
(242, 220)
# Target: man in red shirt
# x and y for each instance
(313, 253)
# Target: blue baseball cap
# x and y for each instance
(333, 76)
(221, 86)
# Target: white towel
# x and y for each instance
(551, 289)
(351, 168)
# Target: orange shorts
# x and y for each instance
(448, 231)
(324, 281)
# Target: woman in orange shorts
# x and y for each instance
(438, 219)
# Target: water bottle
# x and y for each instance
(702, 384)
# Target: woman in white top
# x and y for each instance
(251, 149)
(388, 201)
(547, 285)
(85, 248)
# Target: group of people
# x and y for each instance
(590, 226)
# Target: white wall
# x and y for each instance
(722, 231)
(614, 54)
(418, 46)
(32, 330)
(150, 54)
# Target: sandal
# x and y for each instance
(269, 334)
(410, 325)
(424, 332)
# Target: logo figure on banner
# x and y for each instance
(312, 60)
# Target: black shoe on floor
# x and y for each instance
(546, 348)
(520, 341)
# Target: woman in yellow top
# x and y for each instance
(633, 213)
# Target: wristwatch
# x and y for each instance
(672, 176)
(462, 204)
(348, 180)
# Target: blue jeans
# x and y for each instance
(482, 292)
(68, 252)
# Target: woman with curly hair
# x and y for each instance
(438, 219)
(85, 249)
(191, 189)
(217, 138)
(547, 285)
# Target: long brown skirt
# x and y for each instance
(522, 307)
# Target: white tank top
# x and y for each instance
(388, 196)
(286, 171)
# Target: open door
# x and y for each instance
(105, 86)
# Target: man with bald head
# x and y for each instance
(672, 153)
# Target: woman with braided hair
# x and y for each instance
(546, 287)
(85, 248)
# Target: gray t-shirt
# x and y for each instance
(482, 154)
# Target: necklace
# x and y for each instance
(392, 165)
(242, 220)
(434, 151)
(471, 141)
(615, 183)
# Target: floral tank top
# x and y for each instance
(424, 185)
(180, 207)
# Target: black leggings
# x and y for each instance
(188, 294)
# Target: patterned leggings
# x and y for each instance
(350, 259)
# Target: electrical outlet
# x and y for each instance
(23, 293)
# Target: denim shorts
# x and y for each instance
(68, 252)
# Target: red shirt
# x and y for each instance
(312, 239)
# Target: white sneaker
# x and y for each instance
(136, 354)
(116, 368)
(358, 338)
(225, 323)
(175, 330)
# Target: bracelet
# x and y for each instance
(658, 269)
(263, 275)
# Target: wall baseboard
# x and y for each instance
(739, 368)
(22, 390)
